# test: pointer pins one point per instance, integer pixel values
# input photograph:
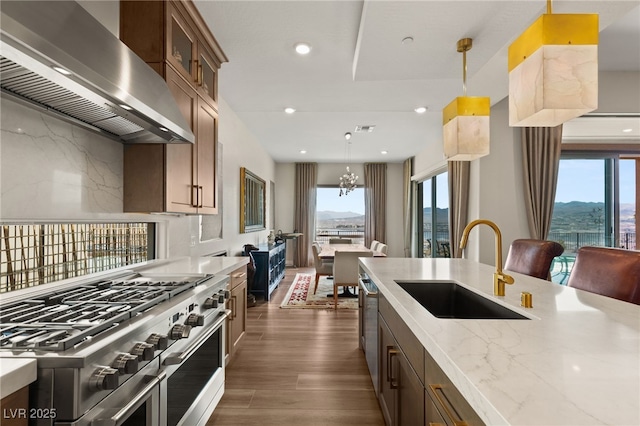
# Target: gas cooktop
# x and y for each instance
(58, 320)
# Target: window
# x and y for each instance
(595, 205)
(433, 223)
(339, 216)
(33, 254)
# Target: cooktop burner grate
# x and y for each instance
(59, 320)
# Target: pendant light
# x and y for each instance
(553, 70)
(466, 120)
(349, 179)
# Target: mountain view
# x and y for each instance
(575, 216)
(339, 220)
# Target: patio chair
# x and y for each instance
(532, 257)
(340, 241)
(610, 272)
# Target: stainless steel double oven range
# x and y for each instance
(131, 349)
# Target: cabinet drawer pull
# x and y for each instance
(447, 407)
(391, 353)
(239, 275)
(200, 196)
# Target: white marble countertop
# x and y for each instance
(576, 362)
(16, 374)
(222, 265)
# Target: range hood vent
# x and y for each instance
(108, 88)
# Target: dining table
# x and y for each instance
(328, 252)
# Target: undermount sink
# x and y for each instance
(451, 300)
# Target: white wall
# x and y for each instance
(328, 174)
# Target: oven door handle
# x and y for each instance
(178, 357)
(132, 405)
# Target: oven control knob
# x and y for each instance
(160, 341)
(195, 320)
(227, 294)
(210, 303)
(144, 351)
(221, 297)
(180, 331)
(104, 378)
(126, 363)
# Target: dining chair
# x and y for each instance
(346, 270)
(322, 267)
(374, 245)
(382, 248)
(340, 241)
(607, 271)
(532, 257)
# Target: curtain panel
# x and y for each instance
(407, 204)
(541, 148)
(375, 202)
(305, 211)
(458, 173)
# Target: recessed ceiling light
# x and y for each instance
(627, 130)
(62, 70)
(302, 151)
(302, 48)
(289, 110)
(421, 110)
(347, 136)
(384, 152)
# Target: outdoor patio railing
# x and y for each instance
(323, 235)
(572, 241)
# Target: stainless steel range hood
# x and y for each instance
(108, 88)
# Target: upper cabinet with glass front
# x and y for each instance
(174, 32)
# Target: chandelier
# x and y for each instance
(349, 179)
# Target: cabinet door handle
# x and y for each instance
(200, 75)
(391, 353)
(234, 311)
(447, 407)
(194, 195)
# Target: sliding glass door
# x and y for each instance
(595, 205)
(433, 217)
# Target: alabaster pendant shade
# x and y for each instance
(465, 128)
(553, 70)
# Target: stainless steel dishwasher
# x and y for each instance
(368, 305)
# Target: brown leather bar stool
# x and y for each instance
(607, 271)
(532, 257)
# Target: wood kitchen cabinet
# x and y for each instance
(401, 371)
(237, 304)
(174, 40)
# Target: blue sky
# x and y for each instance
(583, 180)
(329, 199)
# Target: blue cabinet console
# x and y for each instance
(270, 262)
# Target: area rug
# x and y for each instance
(300, 294)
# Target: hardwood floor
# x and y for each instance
(298, 367)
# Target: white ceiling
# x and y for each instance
(360, 73)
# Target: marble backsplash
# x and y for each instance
(50, 169)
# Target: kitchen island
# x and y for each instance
(575, 361)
